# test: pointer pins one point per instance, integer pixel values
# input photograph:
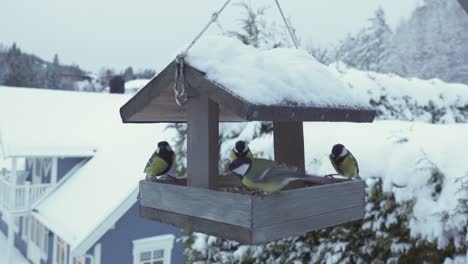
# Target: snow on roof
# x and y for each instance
(93, 193)
(32, 123)
(403, 155)
(279, 76)
(134, 86)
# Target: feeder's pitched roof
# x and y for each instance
(249, 84)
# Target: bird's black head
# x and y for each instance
(165, 151)
(336, 150)
(241, 148)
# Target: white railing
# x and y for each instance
(20, 197)
(4, 193)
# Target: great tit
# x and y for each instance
(261, 174)
(161, 161)
(344, 162)
(241, 149)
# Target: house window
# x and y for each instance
(152, 257)
(153, 250)
(62, 252)
(39, 235)
(79, 260)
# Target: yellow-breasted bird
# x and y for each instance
(344, 161)
(262, 174)
(161, 161)
(241, 149)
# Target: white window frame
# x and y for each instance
(163, 242)
(37, 235)
(61, 251)
(25, 228)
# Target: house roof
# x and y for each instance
(101, 191)
(249, 84)
(31, 126)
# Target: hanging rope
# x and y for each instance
(179, 90)
(291, 32)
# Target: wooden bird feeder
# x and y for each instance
(249, 219)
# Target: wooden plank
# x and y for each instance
(148, 93)
(288, 138)
(202, 142)
(303, 225)
(306, 202)
(189, 223)
(301, 113)
(226, 207)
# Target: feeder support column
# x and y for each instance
(202, 142)
(289, 143)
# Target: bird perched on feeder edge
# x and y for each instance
(161, 162)
(344, 161)
(261, 174)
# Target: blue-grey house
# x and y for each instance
(69, 172)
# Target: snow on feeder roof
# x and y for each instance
(250, 84)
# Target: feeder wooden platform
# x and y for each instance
(253, 219)
(250, 219)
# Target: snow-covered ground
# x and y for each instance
(17, 257)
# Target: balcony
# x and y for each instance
(19, 198)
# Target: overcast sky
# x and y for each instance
(148, 33)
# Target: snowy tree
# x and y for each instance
(20, 71)
(367, 50)
(257, 30)
(431, 43)
(128, 74)
(323, 55)
(53, 76)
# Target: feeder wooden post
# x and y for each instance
(202, 142)
(288, 140)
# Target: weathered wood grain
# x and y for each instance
(194, 224)
(253, 219)
(306, 202)
(255, 235)
(202, 142)
(288, 139)
(148, 93)
(304, 225)
(225, 207)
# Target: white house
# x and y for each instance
(68, 180)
